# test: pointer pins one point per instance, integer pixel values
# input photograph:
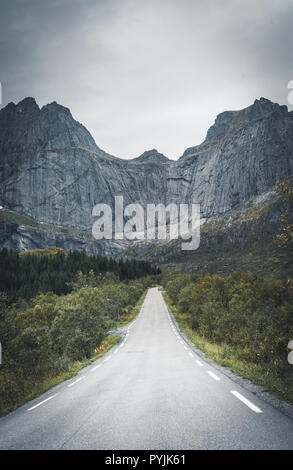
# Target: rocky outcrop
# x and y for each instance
(152, 156)
(244, 154)
(52, 170)
(23, 233)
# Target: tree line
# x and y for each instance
(26, 274)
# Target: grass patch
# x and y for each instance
(273, 380)
(73, 370)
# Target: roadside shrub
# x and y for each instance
(253, 316)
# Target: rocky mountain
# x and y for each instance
(52, 173)
(152, 156)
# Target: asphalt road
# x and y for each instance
(149, 392)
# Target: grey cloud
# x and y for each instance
(149, 74)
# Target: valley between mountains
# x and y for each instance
(52, 174)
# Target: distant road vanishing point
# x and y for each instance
(149, 392)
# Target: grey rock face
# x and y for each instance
(244, 154)
(27, 128)
(52, 170)
(22, 238)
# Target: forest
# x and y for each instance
(56, 308)
(28, 273)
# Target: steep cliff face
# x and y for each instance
(22, 237)
(244, 154)
(52, 170)
(27, 128)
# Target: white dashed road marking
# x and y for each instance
(73, 383)
(238, 395)
(44, 401)
(246, 402)
(214, 376)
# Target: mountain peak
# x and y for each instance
(25, 126)
(27, 103)
(55, 107)
(228, 120)
(263, 106)
(26, 107)
(152, 156)
(228, 123)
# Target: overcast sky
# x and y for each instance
(143, 74)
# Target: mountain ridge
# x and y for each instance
(52, 170)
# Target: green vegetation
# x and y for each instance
(38, 388)
(241, 321)
(50, 336)
(131, 312)
(28, 273)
